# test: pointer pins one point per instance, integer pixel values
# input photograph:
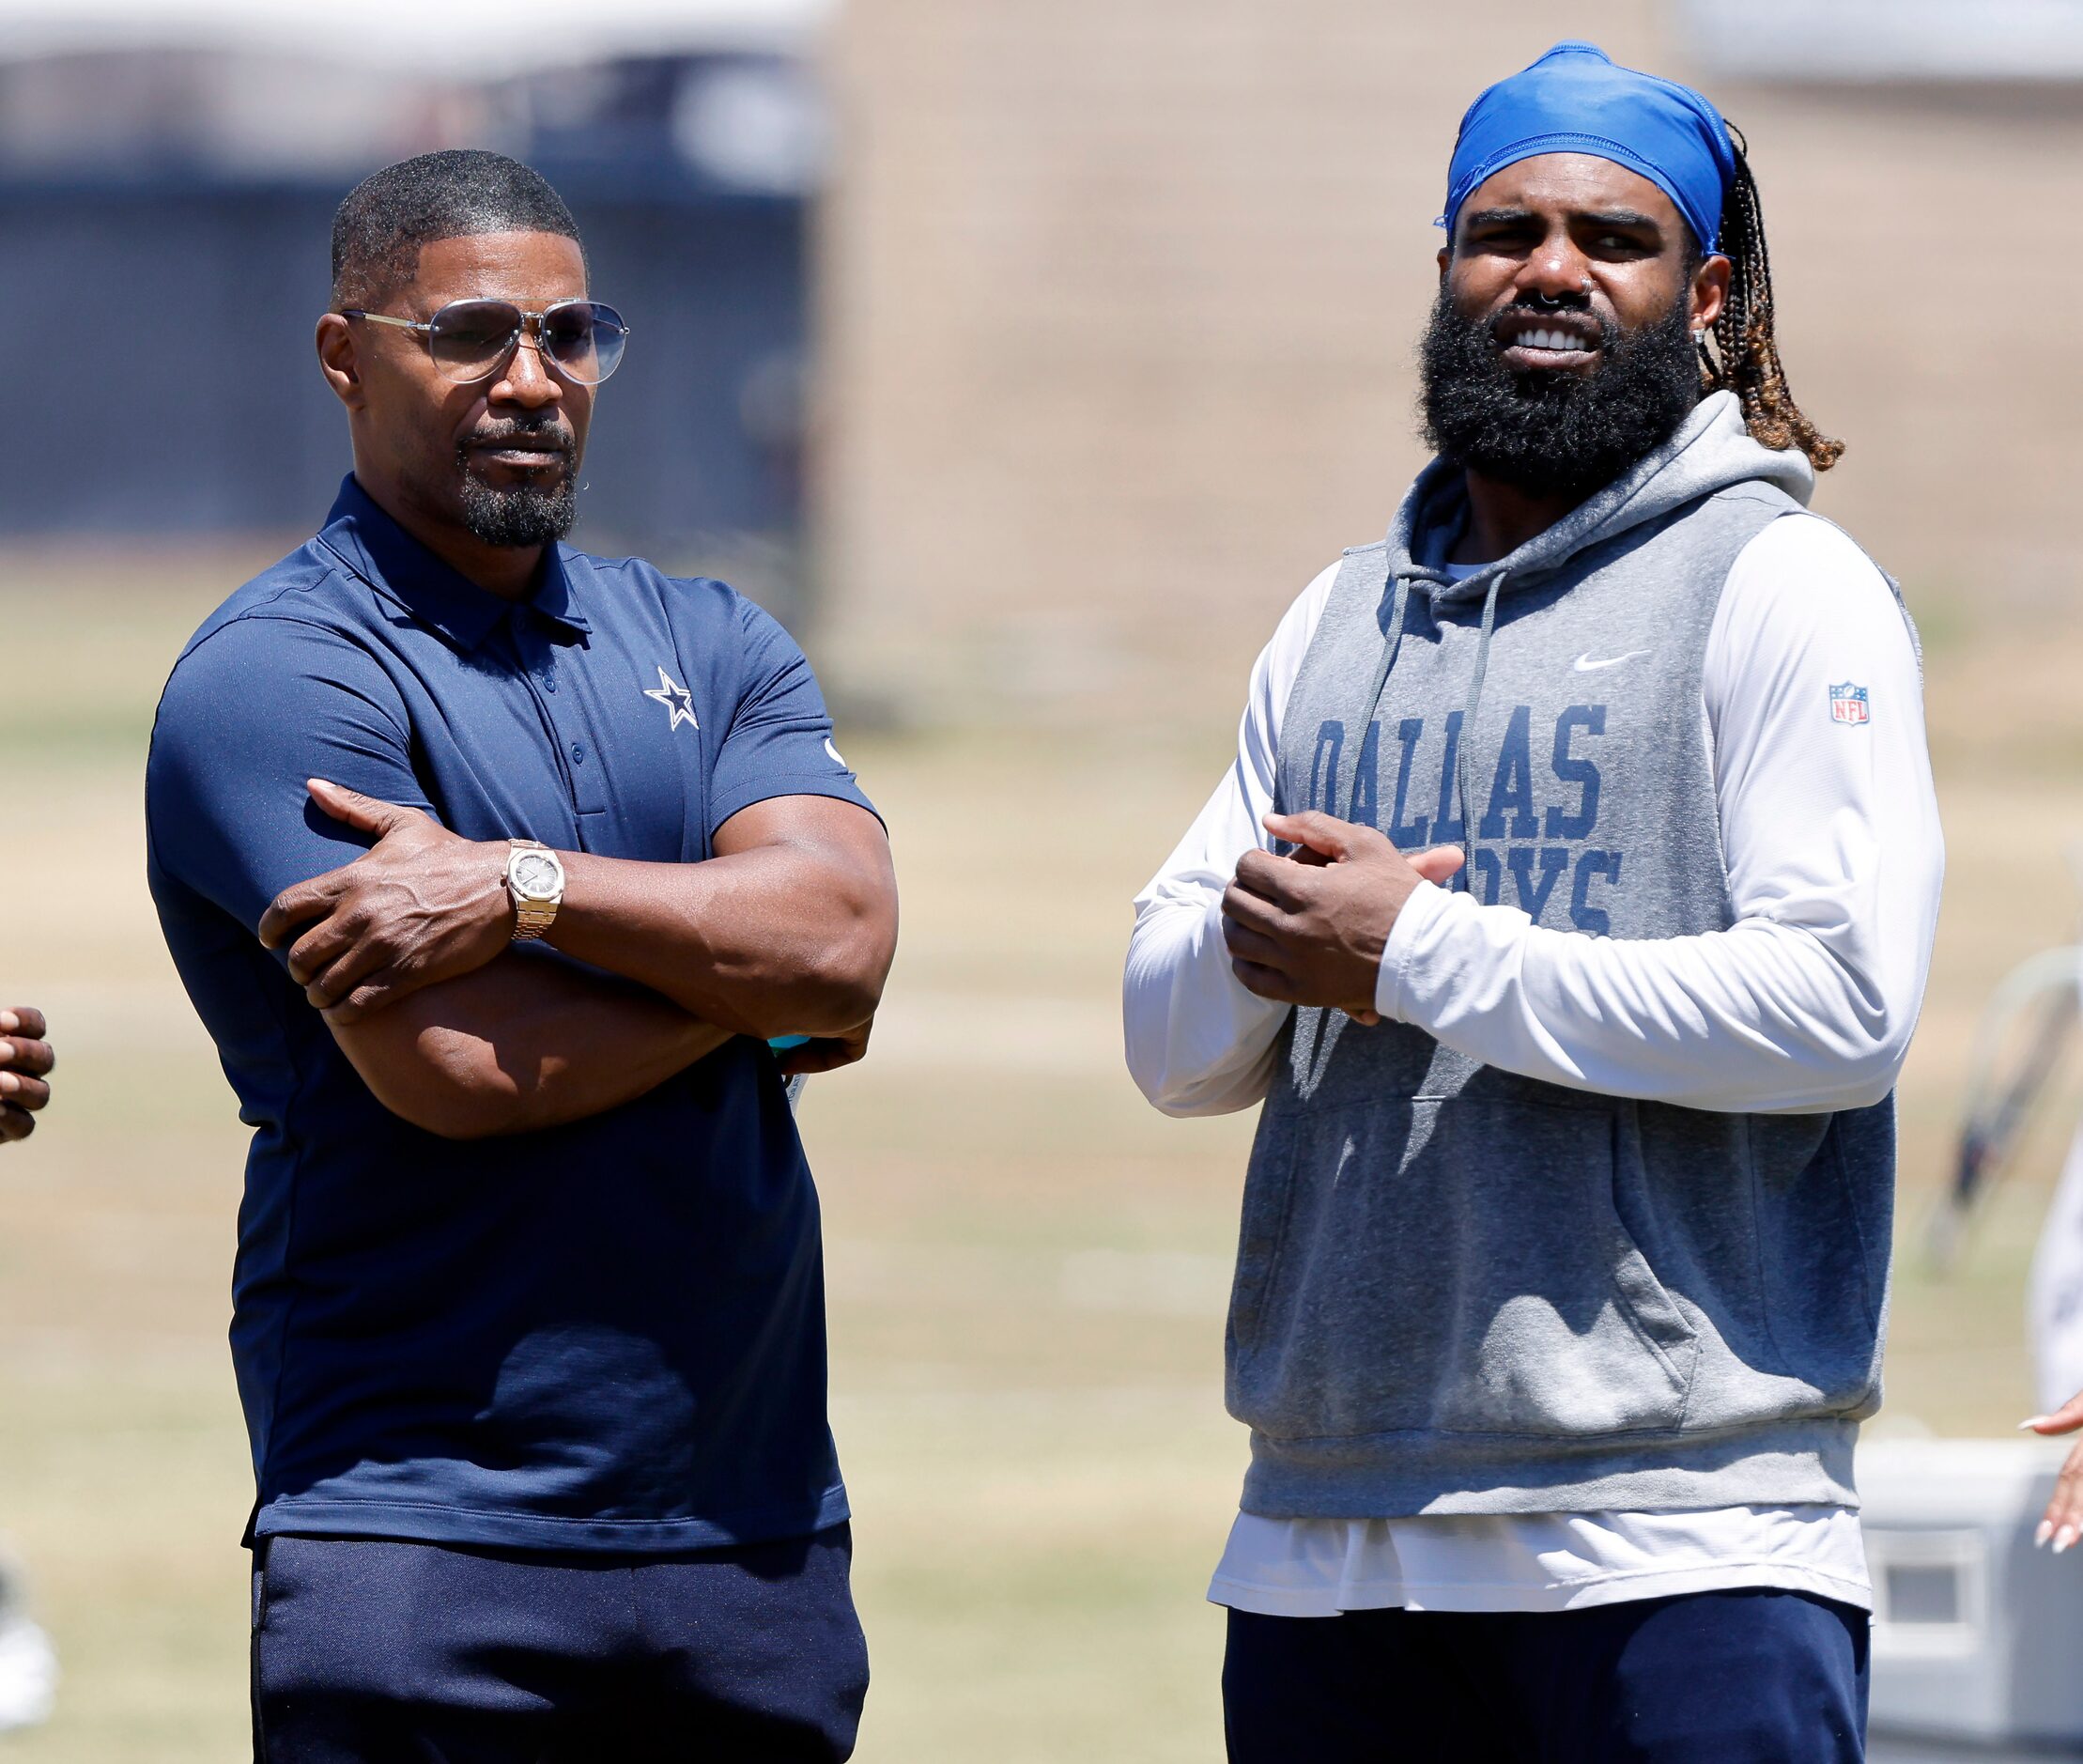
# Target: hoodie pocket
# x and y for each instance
(1449, 1264)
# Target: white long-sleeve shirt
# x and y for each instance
(1830, 835)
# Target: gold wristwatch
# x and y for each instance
(535, 883)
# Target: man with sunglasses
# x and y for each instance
(529, 1318)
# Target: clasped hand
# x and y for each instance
(1309, 929)
(422, 905)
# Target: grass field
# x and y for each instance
(1027, 1265)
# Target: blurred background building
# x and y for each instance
(167, 178)
(1091, 338)
(1122, 300)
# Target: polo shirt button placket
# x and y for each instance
(539, 669)
(587, 789)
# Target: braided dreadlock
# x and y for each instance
(1744, 358)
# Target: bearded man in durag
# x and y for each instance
(1568, 907)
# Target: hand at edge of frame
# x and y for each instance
(2062, 1523)
(25, 1063)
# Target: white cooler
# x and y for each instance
(1977, 1635)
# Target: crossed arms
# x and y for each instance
(788, 929)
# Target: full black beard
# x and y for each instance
(1553, 432)
(522, 516)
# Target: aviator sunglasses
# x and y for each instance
(472, 340)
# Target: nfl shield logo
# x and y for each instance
(1847, 702)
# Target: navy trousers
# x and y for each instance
(368, 1651)
(1750, 1677)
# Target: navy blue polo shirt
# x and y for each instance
(608, 1335)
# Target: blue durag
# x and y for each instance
(1573, 99)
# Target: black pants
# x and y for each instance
(1752, 1677)
(376, 1652)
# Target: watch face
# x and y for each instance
(534, 875)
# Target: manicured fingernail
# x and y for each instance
(2063, 1539)
(10, 1022)
(2044, 1532)
(9, 1084)
(2033, 1423)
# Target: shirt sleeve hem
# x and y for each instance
(842, 789)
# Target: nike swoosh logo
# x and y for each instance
(1584, 664)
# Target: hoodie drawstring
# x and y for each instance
(1349, 758)
(1468, 731)
(1316, 1030)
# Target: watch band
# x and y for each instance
(530, 918)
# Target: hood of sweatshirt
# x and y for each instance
(1711, 451)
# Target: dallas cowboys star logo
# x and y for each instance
(675, 698)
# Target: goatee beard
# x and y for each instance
(518, 516)
(525, 515)
(1555, 433)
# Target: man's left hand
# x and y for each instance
(827, 1053)
(420, 905)
(1310, 929)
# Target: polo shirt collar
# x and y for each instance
(403, 570)
(552, 596)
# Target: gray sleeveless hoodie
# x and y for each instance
(1460, 1291)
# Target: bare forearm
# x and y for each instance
(773, 940)
(787, 929)
(521, 1044)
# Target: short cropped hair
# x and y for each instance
(379, 230)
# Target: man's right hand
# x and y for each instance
(25, 1062)
(420, 906)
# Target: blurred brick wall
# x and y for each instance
(1119, 299)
